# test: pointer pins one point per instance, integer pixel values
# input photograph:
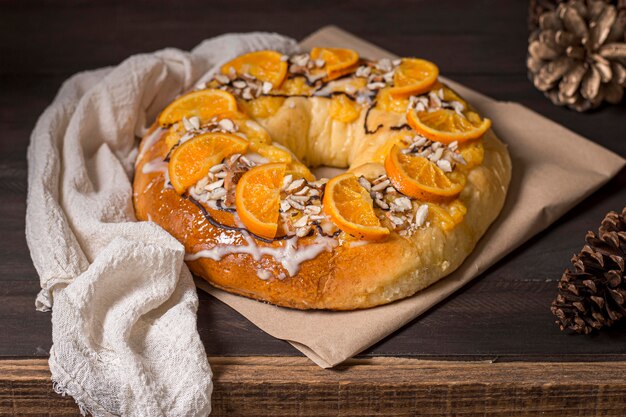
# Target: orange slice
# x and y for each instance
(413, 76)
(257, 198)
(338, 60)
(418, 177)
(390, 103)
(192, 160)
(263, 65)
(344, 109)
(447, 126)
(350, 207)
(203, 104)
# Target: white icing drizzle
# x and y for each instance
(357, 243)
(289, 254)
(158, 165)
(148, 142)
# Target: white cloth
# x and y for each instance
(124, 305)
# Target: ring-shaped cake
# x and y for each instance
(226, 170)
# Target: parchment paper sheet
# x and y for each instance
(553, 170)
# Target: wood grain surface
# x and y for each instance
(291, 386)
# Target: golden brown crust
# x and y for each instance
(346, 277)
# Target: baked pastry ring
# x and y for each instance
(224, 169)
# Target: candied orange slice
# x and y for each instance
(338, 60)
(418, 177)
(344, 109)
(262, 65)
(192, 160)
(203, 104)
(350, 207)
(447, 126)
(413, 76)
(390, 103)
(257, 198)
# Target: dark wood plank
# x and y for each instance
(504, 314)
(70, 36)
(378, 387)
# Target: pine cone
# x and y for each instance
(577, 57)
(594, 295)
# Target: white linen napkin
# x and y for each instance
(124, 304)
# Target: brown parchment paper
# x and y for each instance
(553, 170)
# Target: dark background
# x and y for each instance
(503, 315)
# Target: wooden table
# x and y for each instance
(491, 349)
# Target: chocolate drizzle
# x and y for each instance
(401, 127)
(367, 114)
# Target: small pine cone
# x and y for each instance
(577, 56)
(593, 296)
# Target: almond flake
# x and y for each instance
(287, 180)
(395, 220)
(298, 198)
(195, 122)
(363, 71)
(302, 221)
(267, 87)
(303, 191)
(214, 185)
(284, 205)
(303, 231)
(401, 204)
(222, 79)
(296, 184)
(444, 165)
(420, 215)
(246, 94)
(384, 65)
(218, 193)
(375, 85)
(313, 209)
(381, 185)
(296, 205)
(365, 183)
(381, 204)
(420, 141)
(437, 155)
(216, 168)
(187, 124)
(227, 124)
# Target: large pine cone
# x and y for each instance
(577, 56)
(594, 294)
